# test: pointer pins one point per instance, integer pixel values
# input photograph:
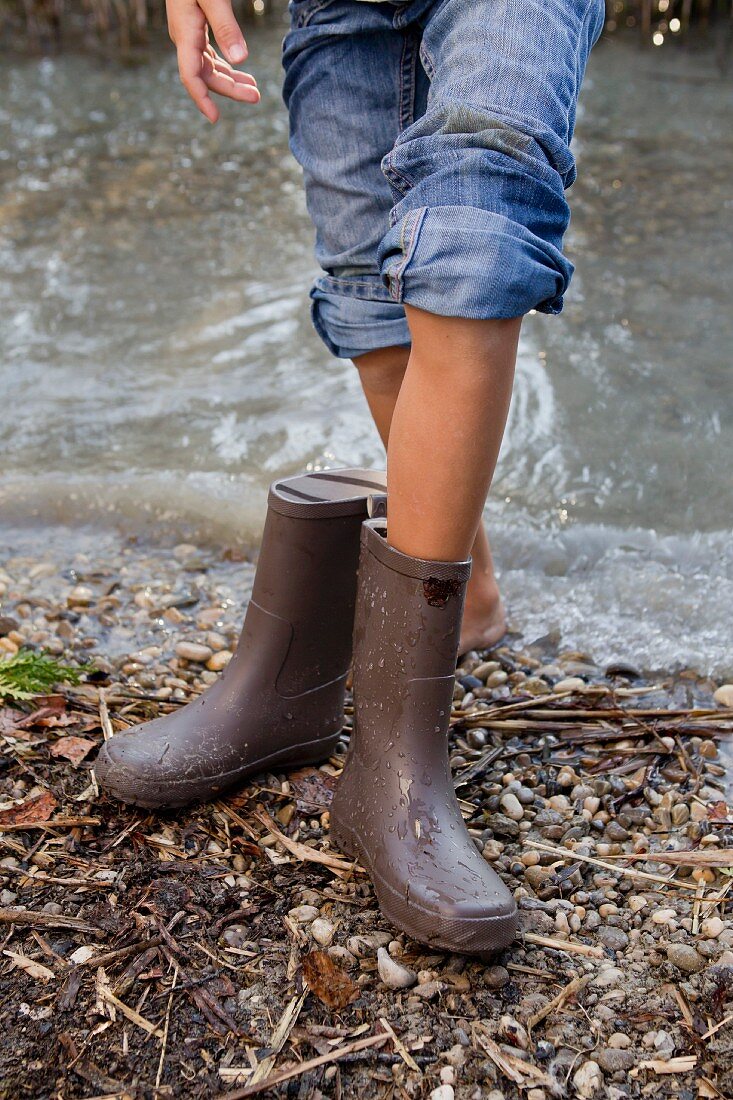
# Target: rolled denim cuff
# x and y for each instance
(463, 261)
(354, 315)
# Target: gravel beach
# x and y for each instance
(227, 949)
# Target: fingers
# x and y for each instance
(220, 17)
(191, 67)
(221, 78)
(201, 69)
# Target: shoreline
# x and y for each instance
(210, 925)
(155, 556)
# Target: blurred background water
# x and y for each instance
(158, 368)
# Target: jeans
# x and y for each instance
(434, 140)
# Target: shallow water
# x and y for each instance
(158, 367)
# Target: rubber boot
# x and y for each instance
(280, 700)
(395, 808)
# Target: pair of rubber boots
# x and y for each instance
(280, 703)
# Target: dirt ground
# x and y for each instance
(228, 950)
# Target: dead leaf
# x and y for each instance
(718, 811)
(31, 967)
(38, 808)
(312, 789)
(331, 985)
(72, 748)
(9, 719)
(50, 707)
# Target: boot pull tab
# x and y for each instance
(377, 506)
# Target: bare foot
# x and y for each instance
(484, 621)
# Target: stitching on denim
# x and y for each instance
(310, 10)
(407, 83)
(415, 219)
(402, 183)
(427, 62)
(347, 287)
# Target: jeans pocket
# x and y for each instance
(302, 11)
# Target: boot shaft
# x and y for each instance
(409, 610)
(406, 635)
(306, 571)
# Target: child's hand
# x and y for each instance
(201, 68)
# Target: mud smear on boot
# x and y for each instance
(437, 591)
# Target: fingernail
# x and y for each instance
(237, 54)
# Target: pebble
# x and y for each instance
(219, 661)
(342, 956)
(664, 1044)
(236, 935)
(80, 596)
(194, 651)
(613, 1060)
(367, 944)
(394, 974)
(514, 1032)
(685, 958)
(303, 914)
(492, 850)
(496, 679)
(485, 669)
(322, 931)
(724, 695)
(496, 977)
(503, 825)
(476, 738)
(619, 1041)
(663, 916)
(712, 927)
(607, 977)
(588, 1080)
(613, 938)
(570, 683)
(511, 806)
(443, 1092)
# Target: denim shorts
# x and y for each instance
(434, 140)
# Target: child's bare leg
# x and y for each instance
(381, 373)
(446, 431)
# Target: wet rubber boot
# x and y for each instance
(395, 808)
(280, 700)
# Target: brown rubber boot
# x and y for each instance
(280, 700)
(395, 808)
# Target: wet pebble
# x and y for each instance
(570, 683)
(724, 695)
(392, 973)
(219, 660)
(194, 651)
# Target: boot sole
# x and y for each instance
(173, 794)
(483, 936)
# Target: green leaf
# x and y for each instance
(28, 673)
